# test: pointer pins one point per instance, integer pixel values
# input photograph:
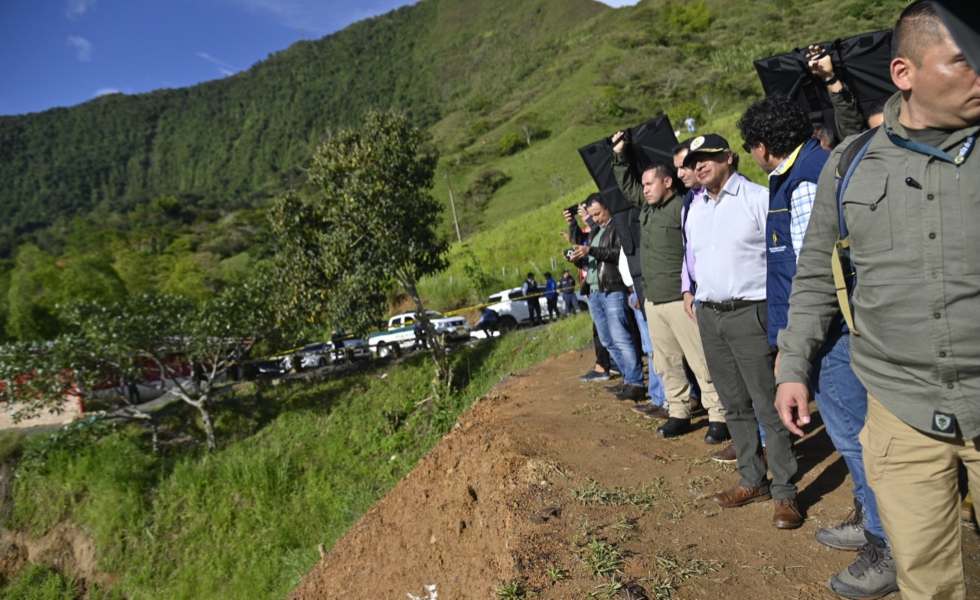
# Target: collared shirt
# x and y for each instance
(915, 248)
(688, 275)
(800, 202)
(728, 238)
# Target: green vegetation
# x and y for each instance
(165, 191)
(40, 583)
(245, 521)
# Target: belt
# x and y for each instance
(729, 305)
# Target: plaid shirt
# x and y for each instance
(800, 203)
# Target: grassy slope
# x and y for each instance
(245, 522)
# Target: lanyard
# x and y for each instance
(928, 150)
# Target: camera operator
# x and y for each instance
(607, 297)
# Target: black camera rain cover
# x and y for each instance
(862, 63)
(651, 142)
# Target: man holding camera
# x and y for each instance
(672, 333)
(607, 297)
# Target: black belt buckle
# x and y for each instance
(723, 306)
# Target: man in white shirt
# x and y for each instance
(726, 230)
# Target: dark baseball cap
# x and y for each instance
(711, 143)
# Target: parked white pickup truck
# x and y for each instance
(512, 307)
(401, 332)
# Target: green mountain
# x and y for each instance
(237, 140)
(165, 191)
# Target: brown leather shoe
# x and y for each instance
(726, 455)
(740, 496)
(786, 514)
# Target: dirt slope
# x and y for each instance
(546, 474)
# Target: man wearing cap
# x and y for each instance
(673, 334)
(726, 232)
(911, 207)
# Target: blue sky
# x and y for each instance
(63, 52)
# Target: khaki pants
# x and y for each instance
(675, 336)
(914, 477)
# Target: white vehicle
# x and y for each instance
(401, 332)
(315, 356)
(512, 307)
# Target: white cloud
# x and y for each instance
(83, 47)
(223, 67)
(106, 92)
(77, 8)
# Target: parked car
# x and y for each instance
(321, 354)
(400, 334)
(512, 308)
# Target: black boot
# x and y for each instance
(674, 427)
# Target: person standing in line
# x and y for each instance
(566, 287)
(671, 332)
(726, 230)
(551, 296)
(779, 137)
(908, 207)
(529, 290)
(607, 298)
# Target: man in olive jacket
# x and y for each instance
(673, 333)
(912, 208)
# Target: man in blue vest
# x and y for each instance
(779, 136)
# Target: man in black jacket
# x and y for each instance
(607, 300)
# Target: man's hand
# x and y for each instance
(582, 212)
(793, 406)
(634, 302)
(689, 306)
(618, 142)
(822, 66)
(569, 217)
(579, 253)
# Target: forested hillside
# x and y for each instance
(166, 191)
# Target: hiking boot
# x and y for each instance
(726, 455)
(847, 535)
(650, 411)
(717, 433)
(632, 392)
(872, 575)
(674, 427)
(786, 514)
(741, 495)
(594, 376)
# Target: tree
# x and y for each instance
(367, 222)
(193, 348)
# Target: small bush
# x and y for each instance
(40, 583)
(511, 143)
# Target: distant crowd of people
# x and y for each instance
(853, 277)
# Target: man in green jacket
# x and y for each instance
(912, 209)
(674, 335)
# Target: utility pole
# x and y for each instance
(452, 205)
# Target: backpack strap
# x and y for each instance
(841, 266)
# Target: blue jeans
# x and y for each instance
(655, 387)
(608, 310)
(843, 404)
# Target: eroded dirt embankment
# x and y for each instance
(546, 476)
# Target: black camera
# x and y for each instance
(568, 254)
(573, 209)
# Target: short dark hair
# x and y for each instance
(777, 122)
(918, 27)
(876, 107)
(664, 170)
(595, 198)
(530, 275)
(685, 145)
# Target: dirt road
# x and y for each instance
(553, 489)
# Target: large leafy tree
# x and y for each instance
(193, 348)
(365, 224)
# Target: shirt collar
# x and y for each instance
(787, 163)
(731, 187)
